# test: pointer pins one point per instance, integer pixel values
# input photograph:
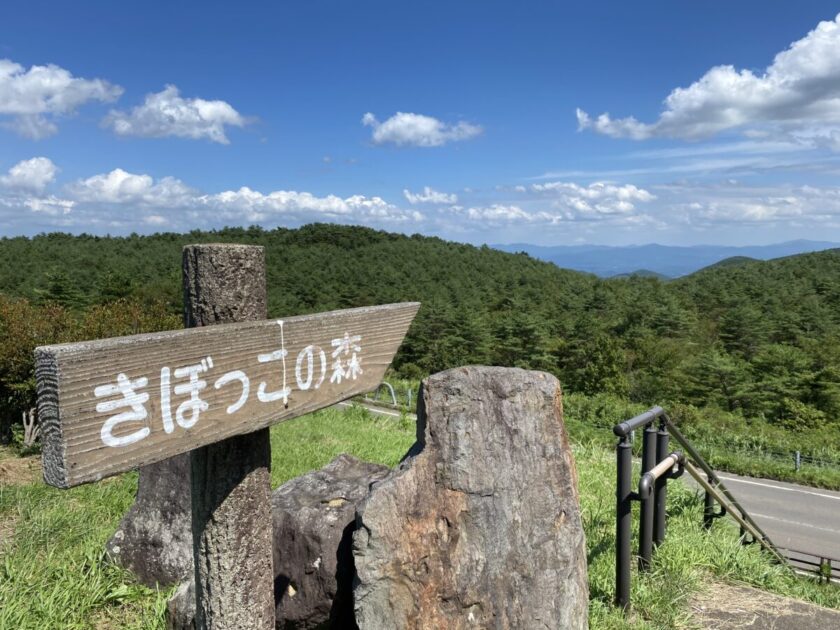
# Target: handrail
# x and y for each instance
(715, 480)
(754, 531)
(647, 480)
(657, 467)
(623, 429)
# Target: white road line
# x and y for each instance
(775, 487)
(797, 523)
(378, 411)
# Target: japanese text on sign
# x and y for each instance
(183, 386)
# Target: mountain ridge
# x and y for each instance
(671, 261)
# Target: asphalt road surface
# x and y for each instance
(795, 517)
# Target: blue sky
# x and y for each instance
(616, 123)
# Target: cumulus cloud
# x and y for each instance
(34, 174)
(599, 198)
(51, 205)
(501, 213)
(798, 94)
(34, 98)
(559, 202)
(167, 113)
(252, 205)
(731, 203)
(429, 195)
(121, 187)
(406, 129)
(122, 200)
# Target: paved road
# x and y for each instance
(793, 516)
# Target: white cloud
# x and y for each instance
(50, 205)
(418, 130)
(798, 95)
(120, 187)
(166, 113)
(34, 174)
(34, 98)
(599, 198)
(429, 195)
(730, 203)
(123, 200)
(501, 213)
(252, 205)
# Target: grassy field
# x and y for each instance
(51, 541)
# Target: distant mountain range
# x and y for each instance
(658, 260)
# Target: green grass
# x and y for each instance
(52, 574)
(689, 557)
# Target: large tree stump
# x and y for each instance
(480, 526)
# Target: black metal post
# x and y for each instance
(623, 509)
(708, 511)
(661, 487)
(646, 521)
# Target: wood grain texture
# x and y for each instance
(68, 375)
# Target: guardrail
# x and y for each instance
(826, 568)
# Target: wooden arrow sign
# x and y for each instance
(112, 405)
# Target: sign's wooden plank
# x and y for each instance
(112, 405)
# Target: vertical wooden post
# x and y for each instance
(231, 482)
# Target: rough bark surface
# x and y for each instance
(154, 538)
(223, 284)
(231, 480)
(314, 519)
(231, 488)
(480, 525)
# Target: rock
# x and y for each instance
(180, 609)
(480, 526)
(313, 521)
(154, 538)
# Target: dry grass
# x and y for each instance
(730, 607)
(15, 470)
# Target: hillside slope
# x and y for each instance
(760, 340)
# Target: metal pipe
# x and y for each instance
(623, 428)
(646, 521)
(624, 470)
(661, 489)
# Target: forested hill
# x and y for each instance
(758, 338)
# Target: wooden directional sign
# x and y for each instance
(112, 405)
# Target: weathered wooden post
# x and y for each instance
(231, 479)
(113, 405)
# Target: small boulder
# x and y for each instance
(154, 538)
(480, 526)
(313, 520)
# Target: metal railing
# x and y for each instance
(387, 387)
(658, 465)
(827, 569)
